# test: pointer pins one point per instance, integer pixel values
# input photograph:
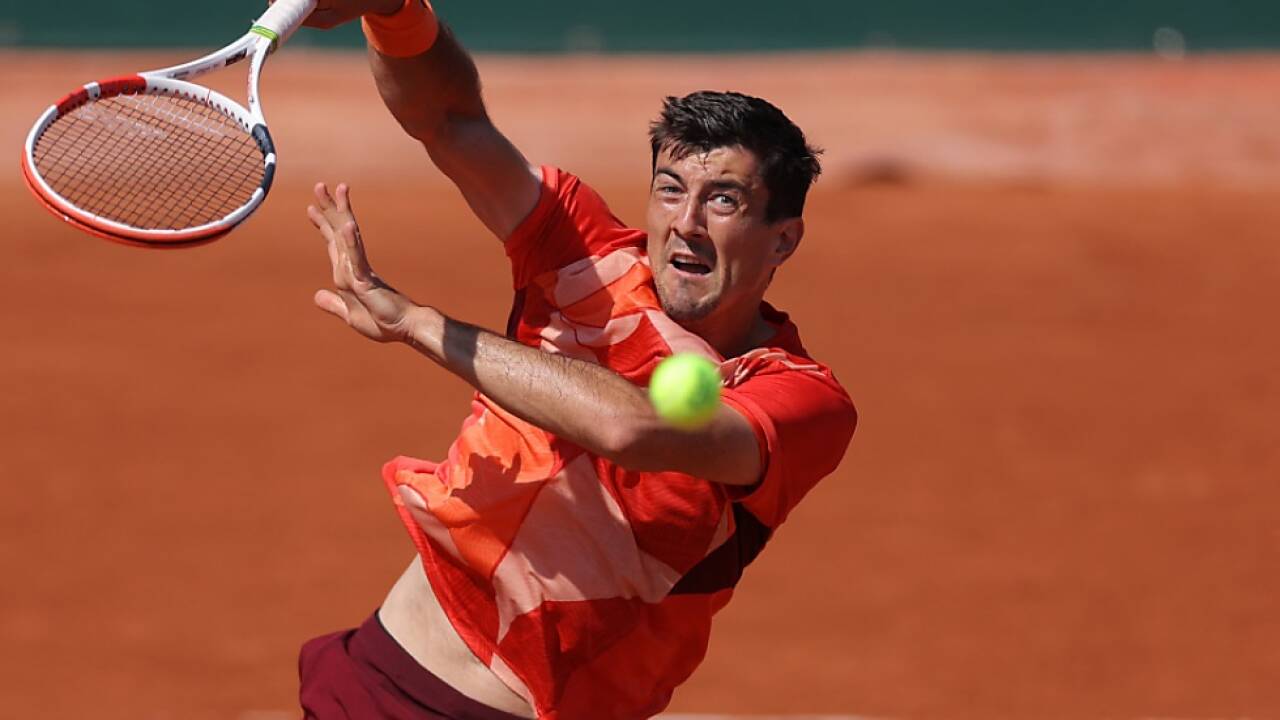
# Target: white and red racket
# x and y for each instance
(154, 160)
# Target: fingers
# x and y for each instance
(346, 252)
(349, 236)
(334, 207)
(323, 199)
(331, 215)
(335, 246)
(349, 309)
(332, 303)
(344, 198)
(318, 219)
(326, 216)
(353, 244)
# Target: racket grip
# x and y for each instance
(285, 16)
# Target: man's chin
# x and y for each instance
(684, 309)
(688, 313)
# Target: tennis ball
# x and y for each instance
(685, 390)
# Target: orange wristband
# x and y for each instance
(410, 31)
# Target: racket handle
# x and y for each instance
(283, 17)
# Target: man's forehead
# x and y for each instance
(722, 163)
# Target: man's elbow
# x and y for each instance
(726, 451)
(655, 447)
(430, 129)
(439, 127)
(630, 445)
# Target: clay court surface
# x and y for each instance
(1051, 285)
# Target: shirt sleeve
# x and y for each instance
(570, 222)
(803, 421)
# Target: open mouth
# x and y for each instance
(689, 264)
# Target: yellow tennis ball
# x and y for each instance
(685, 390)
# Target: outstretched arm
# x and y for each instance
(584, 403)
(435, 96)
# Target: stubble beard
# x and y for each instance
(683, 310)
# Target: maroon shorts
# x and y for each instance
(364, 674)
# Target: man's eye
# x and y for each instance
(668, 190)
(725, 201)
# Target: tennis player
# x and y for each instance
(572, 548)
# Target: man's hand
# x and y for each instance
(361, 298)
(332, 13)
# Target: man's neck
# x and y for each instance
(733, 336)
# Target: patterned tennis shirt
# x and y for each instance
(586, 587)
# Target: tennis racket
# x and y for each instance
(154, 160)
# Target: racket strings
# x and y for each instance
(134, 186)
(150, 204)
(150, 161)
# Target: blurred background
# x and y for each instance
(746, 26)
(1042, 257)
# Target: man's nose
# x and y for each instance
(691, 220)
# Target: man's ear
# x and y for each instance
(789, 234)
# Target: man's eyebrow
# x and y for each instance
(729, 185)
(668, 171)
(722, 184)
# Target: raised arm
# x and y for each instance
(589, 405)
(435, 96)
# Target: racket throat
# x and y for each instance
(262, 136)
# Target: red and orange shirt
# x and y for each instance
(586, 587)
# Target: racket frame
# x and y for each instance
(266, 34)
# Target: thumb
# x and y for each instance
(330, 302)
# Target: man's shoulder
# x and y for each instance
(803, 420)
(570, 224)
(781, 363)
(784, 376)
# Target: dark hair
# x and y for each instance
(703, 121)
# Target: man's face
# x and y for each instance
(710, 247)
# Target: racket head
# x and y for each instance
(149, 161)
